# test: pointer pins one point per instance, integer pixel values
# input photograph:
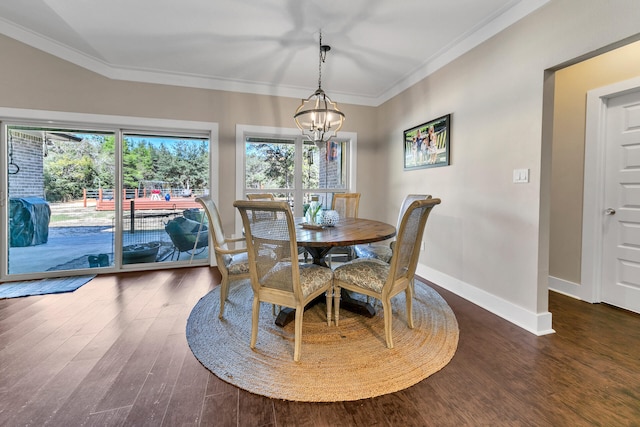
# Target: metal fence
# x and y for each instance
(146, 228)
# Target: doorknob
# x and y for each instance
(609, 211)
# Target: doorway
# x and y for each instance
(574, 249)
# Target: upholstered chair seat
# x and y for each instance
(238, 264)
(311, 277)
(366, 273)
(380, 252)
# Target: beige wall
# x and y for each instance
(484, 237)
(35, 80)
(486, 241)
(572, 84)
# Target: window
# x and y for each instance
(283, 163)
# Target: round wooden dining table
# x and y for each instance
(347, 232)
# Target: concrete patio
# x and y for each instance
(76, 231)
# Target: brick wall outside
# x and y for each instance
(26, 152)
(332, 178)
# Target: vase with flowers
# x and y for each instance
(313, 215)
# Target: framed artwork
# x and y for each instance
(333, 151)
(427, 145)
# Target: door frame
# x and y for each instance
(594, 186)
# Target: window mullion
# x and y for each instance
(298, 194)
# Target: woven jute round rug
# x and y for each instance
(347, 362)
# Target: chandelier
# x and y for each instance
(318, 117)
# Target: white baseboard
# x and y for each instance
(536, 323)
(565, 287)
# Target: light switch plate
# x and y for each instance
(520, 176)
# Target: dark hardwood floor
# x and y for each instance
(114, 353)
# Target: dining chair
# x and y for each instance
(270, 196)
(277, 277)
(260, 196)
(383, 251)
(232, 263)
(346, 204)
(377, 279)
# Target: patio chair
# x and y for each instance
(383, 281)
(187, 236)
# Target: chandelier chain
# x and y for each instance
(320, 61)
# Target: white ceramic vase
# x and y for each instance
(330, 218)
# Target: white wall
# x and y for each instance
(483, 240)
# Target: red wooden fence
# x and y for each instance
(144, 203)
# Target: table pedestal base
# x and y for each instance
(288, 315)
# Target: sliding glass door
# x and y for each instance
(52, 221)
(162, 175)
(89, 199)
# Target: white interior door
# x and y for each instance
(620, 283)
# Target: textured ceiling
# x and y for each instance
(378, 47)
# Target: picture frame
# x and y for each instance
(428, 145)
